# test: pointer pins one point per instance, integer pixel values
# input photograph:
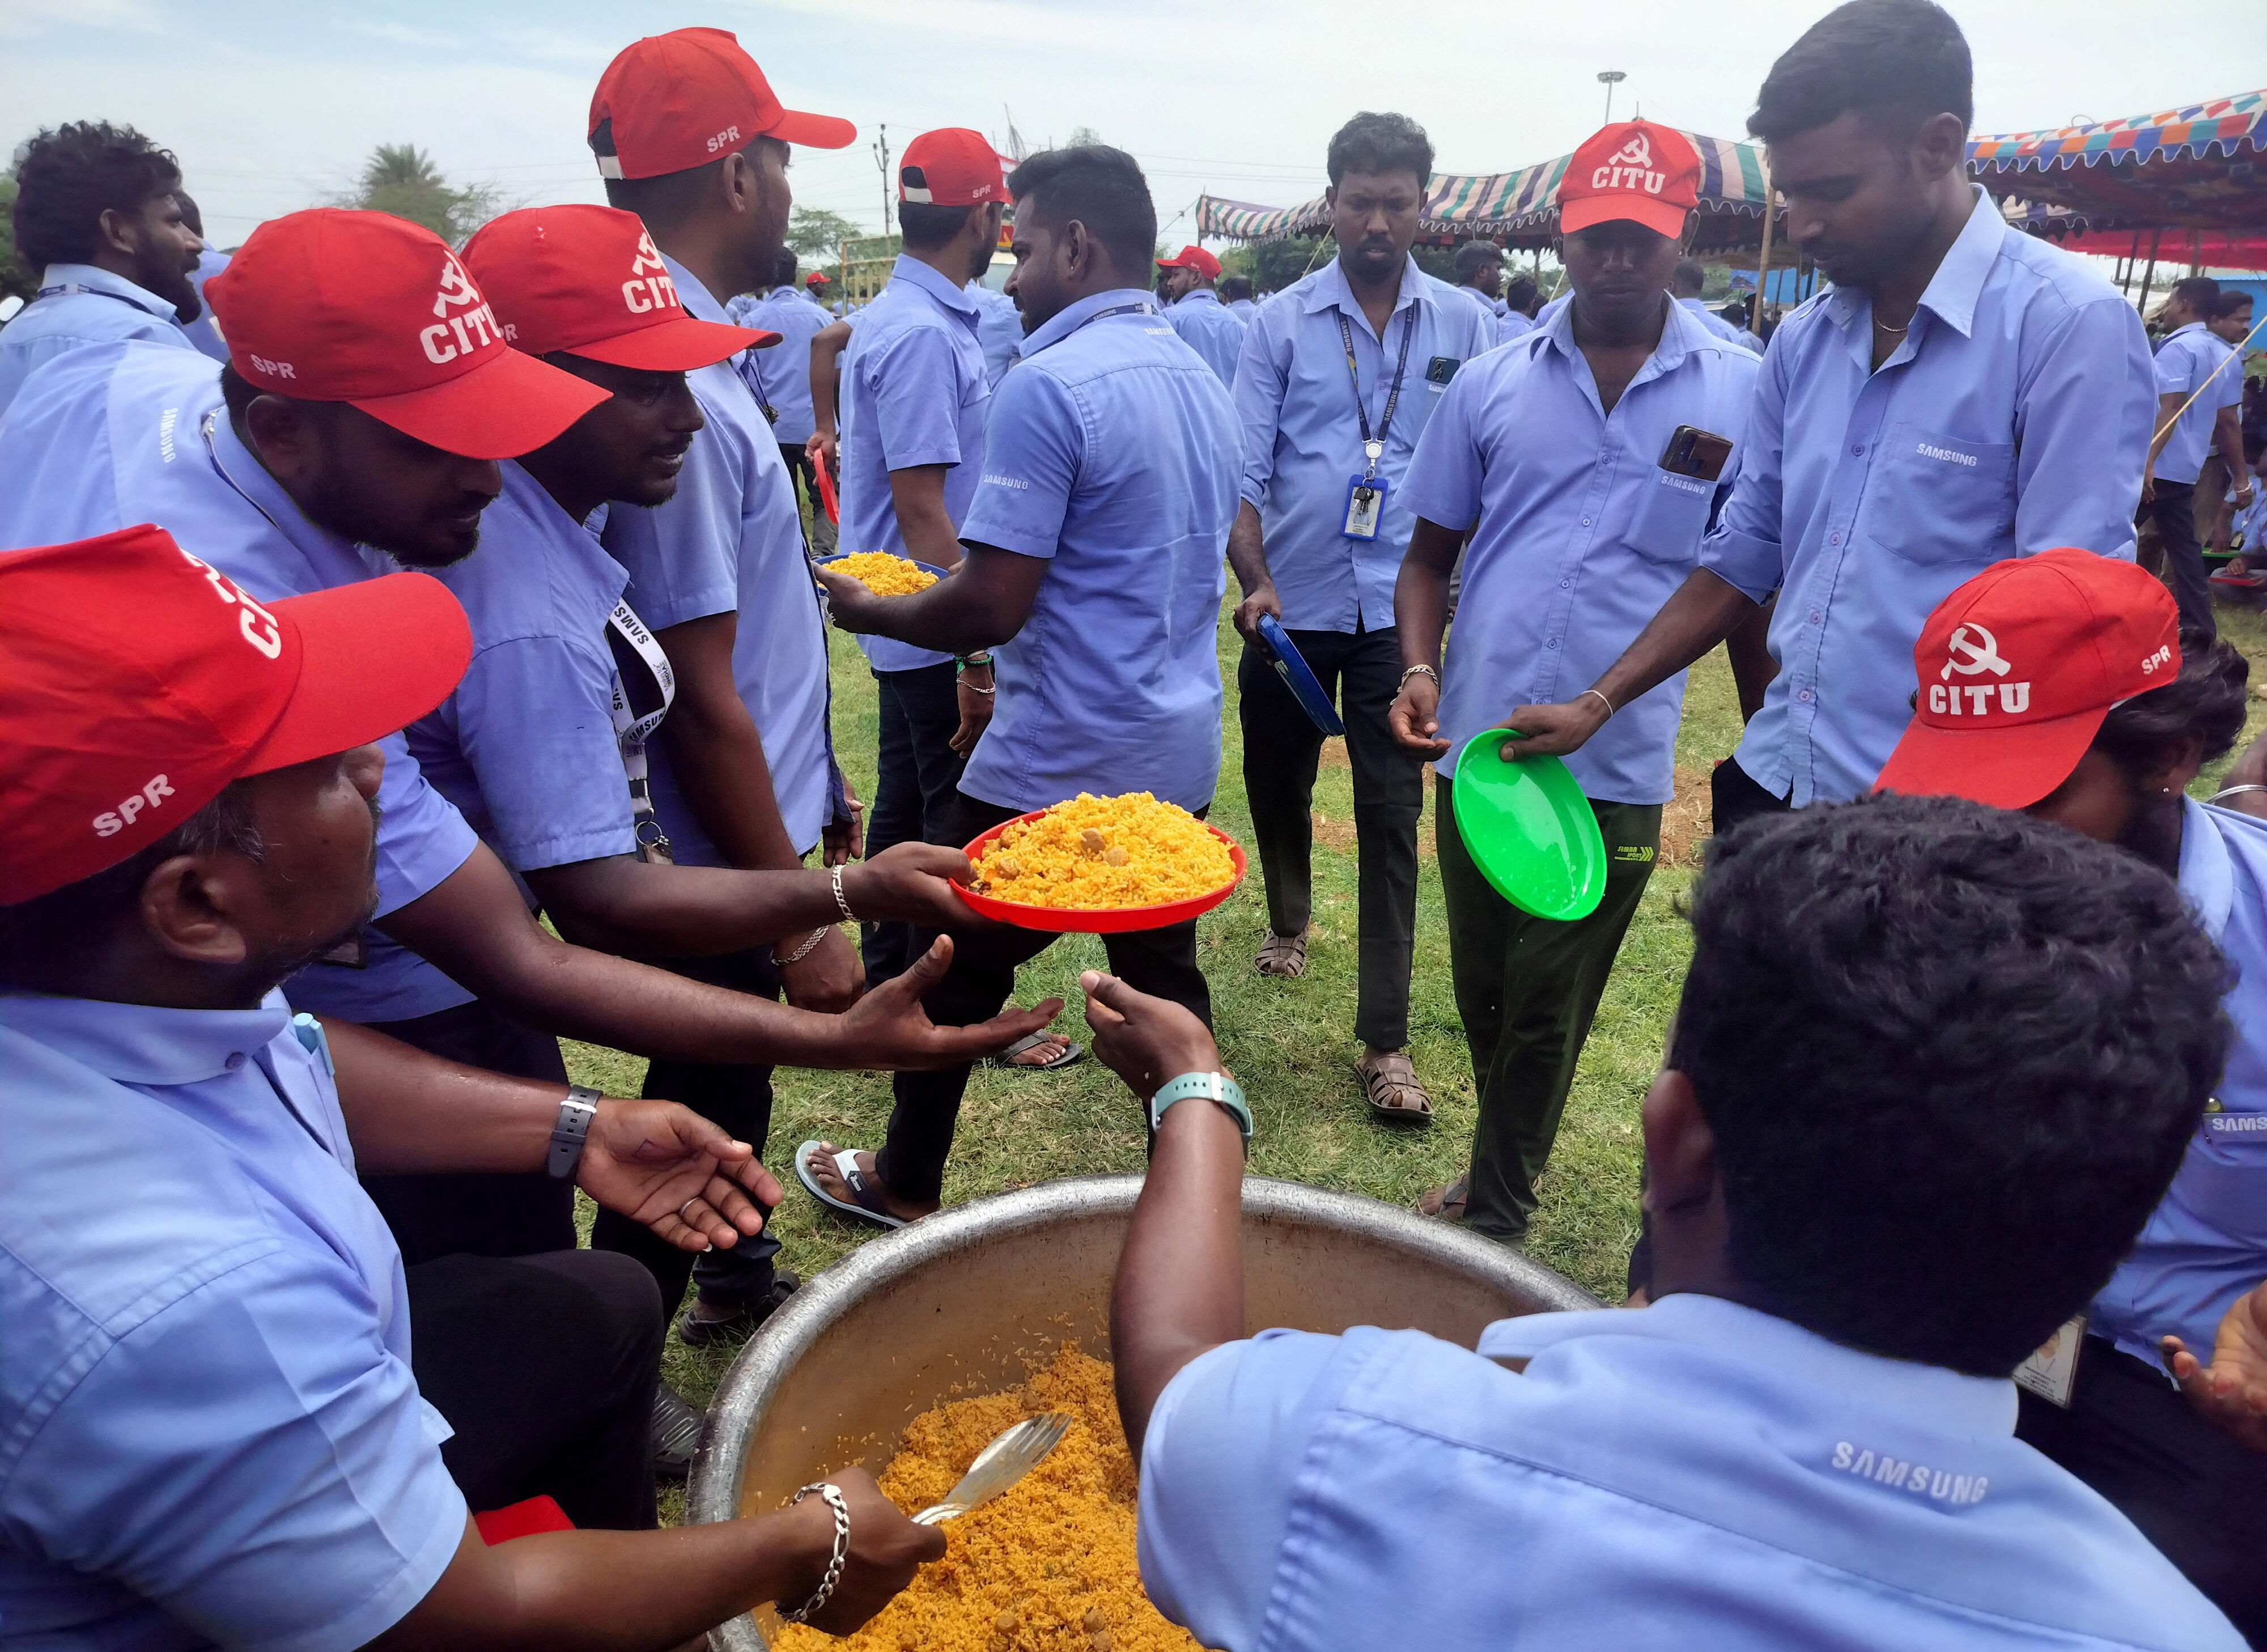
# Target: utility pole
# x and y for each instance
(1610, 78)
(882, 160)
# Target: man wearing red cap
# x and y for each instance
(689, 136)
(1340, 372)
(2058, 685)
(1583, 462)
(237, 1418)
(1193, 310)
(1964, 394)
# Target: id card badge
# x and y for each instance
(2052, 1372)
(1365, 504)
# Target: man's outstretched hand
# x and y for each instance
(668, 1167)
(888, 1030)
(851, 602)
(1146, 1041)
(2231, 1393)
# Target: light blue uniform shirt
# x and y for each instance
(83, 305)
(1695, 1475)
(1243, 309)
(209, 1433)
(1582, 535)
(784, 369)
(913, 392)
(2187, 362)
(1110, 453)
(1716, 323)
(999, 329)
(731, 542)
(2014, 418)
(1206, 328)
(203, 332)
(2206, 1244)
(526, 746)
(1511, 325)
(123, 434)
(1303, 442)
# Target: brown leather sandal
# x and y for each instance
(1284, 955)
(1390, 1083)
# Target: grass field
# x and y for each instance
(1291, 1042)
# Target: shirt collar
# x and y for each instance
(1958, 283)
(2207, 870)
(242, 467)
(912, 270)
(1332, 289)
(1777, 1354)
(98, 280)
(2192, 327)
(698, 302)
(1067, 321)
(1198, 295)
(1680, 332)
(140, 1044)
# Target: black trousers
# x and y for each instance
(2194, 1493)
(1361, 671)
(484, 1214)
(1161, 962)
(736, 1097)
(920, 776)
(1527, 990)
(1734, 796)
(545, 1366)
(2174, 511)
(822, 538)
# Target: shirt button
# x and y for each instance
(1804, 696)
(1551, 641)
(1585, 522)
(235, 1060)
(1818, 618)
(1565, 585)
(1834, 538)
(1858, 451)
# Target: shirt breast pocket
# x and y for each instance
(1934, 498)
(1669, 516)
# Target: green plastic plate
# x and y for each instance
(1529, 830)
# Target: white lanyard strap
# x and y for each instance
(639, 655)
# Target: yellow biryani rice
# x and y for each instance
(1093, 853)
(1046, 1566)
(882, 574)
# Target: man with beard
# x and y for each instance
(1193, 310)
(96, 215)
(1338, 374)
(1964, 394)
(2099, 723)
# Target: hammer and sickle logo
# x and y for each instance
(647, 258)
(1974, 650)
(456, 288)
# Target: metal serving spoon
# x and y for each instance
(999, 1466)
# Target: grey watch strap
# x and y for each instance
(567, 1135)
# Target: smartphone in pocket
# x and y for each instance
(1693, 452)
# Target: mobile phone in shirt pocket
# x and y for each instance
(1669, 516)
(1933, 498)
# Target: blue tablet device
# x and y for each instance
(1300, 681)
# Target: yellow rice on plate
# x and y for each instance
(1094, 854)
(1046, 1566)
(882, 574)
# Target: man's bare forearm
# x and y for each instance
(1705, 610)
(408, 1112)
(620, 904)
(1247, 550)
(1421, 594)
(917, 494)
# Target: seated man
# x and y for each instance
(2109, 722)
(1933, 1066)
(216, 1430)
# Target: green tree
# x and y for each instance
(402, 180)
(1274, 265)
(15, 276)
(815, 233)
(1081, 137)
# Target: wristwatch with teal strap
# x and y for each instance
(1213, 1087)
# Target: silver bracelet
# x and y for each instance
(802, 1614)
(1413, 672)
(804, 950)
(841, 900)
(1602, 700)
(2230, 791)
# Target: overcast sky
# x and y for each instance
(272, 104)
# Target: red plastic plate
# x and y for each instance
(1103, 920)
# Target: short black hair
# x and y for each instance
(1689, 275)
(1234, 287)
(48, 943)
(1519, 292)
(68, 176)
(1894, 62)
(1101, 188)
(1474, 256)
(1377, 143)
(2230, 300)
(191, 214)
(2206, 700)
(1952, 1056)
(928, 227)
(2198, 292)
(787, 268)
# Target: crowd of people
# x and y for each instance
(417, 655)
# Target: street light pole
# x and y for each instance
(882, 159)
(1609, 78)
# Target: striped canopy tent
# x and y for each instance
(2189, 182)
(1520, 209)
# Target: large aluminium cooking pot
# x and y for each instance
(963, 1302)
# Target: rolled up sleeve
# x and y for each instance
(917, 393)
(1032, 446)
(1443, 481)
(1744, 548)
(542, 740)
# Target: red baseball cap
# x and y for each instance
(951, 167)
(1635, 170)
(364, 308)
(587, 280)
(671, 102)
(1193, 258)
(141, 681)
(816, 278)
(2018, 668)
